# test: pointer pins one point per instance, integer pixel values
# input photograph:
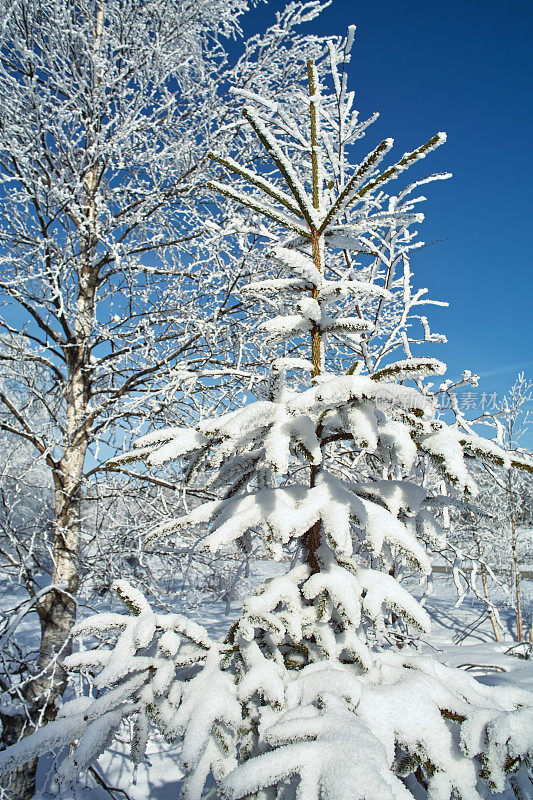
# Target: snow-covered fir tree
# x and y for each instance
(306, 697)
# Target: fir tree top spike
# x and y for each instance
(314, 118)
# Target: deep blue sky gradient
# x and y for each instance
(465, 67)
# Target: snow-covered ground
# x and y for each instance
(461, 636)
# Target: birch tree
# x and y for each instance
(107, 110)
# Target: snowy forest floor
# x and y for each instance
(461, 636)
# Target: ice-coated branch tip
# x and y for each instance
(257, 181)
(350, 36)
(406, 160)
(284, 165)
(349, 192)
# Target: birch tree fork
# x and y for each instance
(107, 110)
(309, 695)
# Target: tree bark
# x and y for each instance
(484, 582)
(20, 784)
(312, 538)
(57, 611)
(492, 615)
(516, 565)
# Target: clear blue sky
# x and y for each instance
(465, 67)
